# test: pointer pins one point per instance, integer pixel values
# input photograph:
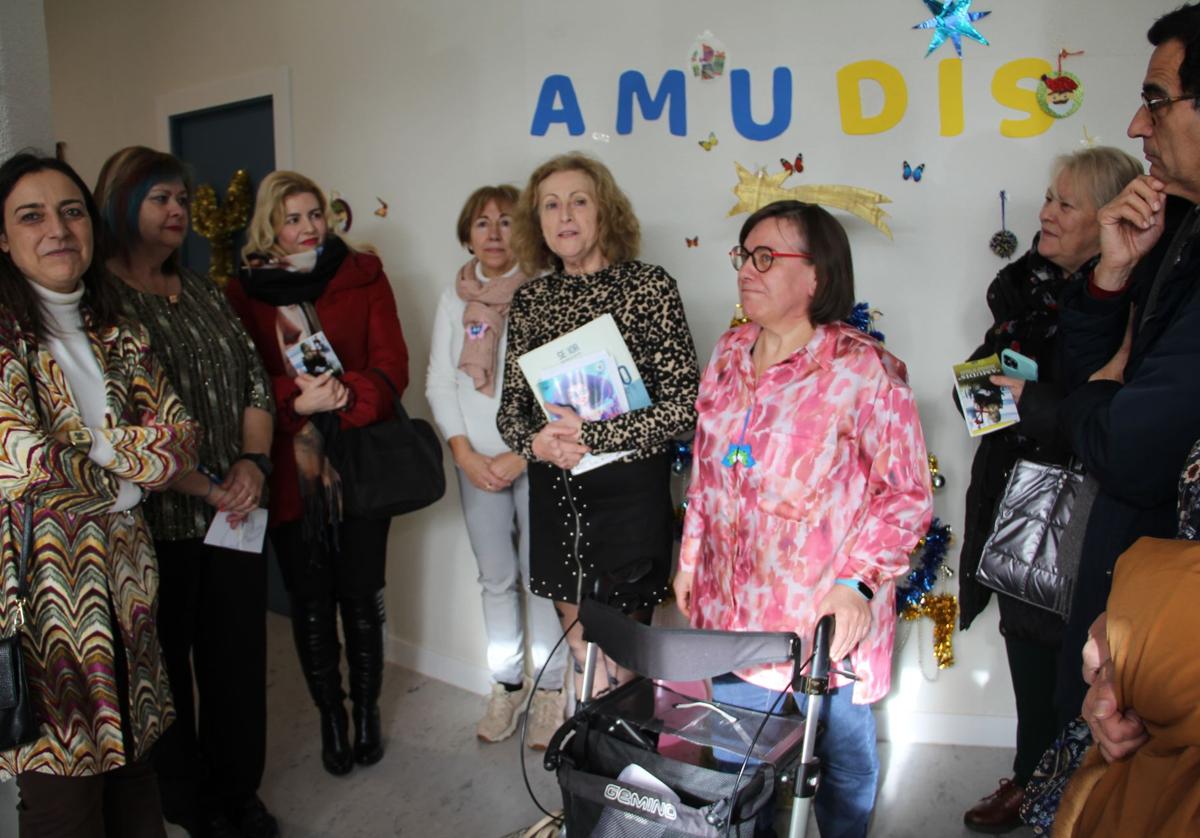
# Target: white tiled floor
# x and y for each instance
(438, 781)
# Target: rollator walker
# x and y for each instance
(638, 761)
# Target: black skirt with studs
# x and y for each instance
(608, 532)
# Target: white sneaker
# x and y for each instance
(545, 717)
(503, 711)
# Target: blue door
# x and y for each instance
(215, 143)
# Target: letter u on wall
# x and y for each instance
(781, 105)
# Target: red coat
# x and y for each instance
(358, 313)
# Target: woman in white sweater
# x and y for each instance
(463, 389)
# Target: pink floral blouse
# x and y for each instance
(839, 488)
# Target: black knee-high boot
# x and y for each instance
(314, 627)
(362, 621)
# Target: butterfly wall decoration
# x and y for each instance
(710, 143)
(793, 168)
(692, 242)
(381, 210)
(913, 174)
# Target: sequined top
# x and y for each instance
(216, 371)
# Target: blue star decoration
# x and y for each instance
(952, 20)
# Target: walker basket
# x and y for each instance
(675, 789)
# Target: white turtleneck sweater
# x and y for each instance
(72, 349)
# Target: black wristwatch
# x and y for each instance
(261, 460)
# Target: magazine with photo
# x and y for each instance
(986, 407)
(589, 385)
(314, 356)
(571, 358)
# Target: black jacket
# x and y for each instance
(1134, 437)
(1030, 328)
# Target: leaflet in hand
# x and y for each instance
(248, 537)
(986, 406)
(314, 356)
(591, 370)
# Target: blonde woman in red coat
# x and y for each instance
(303, 284)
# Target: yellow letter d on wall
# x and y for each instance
(895, 97)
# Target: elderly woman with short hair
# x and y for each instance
(611, 528)
(466, 366)
(1023, 299)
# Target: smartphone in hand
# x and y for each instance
(1018, 366)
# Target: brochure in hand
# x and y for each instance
(590, 370)
(314, 356)
(987, 407)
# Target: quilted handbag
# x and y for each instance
(1033, 550)
(389, 468)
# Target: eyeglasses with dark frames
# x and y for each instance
(763, 257)
(1156, 104)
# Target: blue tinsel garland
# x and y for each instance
(923, 577)
(862, 320)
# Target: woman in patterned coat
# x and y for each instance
(809, 488)
(88, 423)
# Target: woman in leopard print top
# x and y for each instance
(610, 530)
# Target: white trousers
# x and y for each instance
(498, 527)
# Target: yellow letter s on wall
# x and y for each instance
(1007, 91)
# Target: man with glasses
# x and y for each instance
(1131, 340)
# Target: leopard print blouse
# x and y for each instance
(645, 303)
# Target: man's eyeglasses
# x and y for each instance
(762, 257)
(1154, 103)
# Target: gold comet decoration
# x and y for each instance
(757, 189)
(220, 223)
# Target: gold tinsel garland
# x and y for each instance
(220, 223)
(943, 610)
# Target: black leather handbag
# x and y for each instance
(18, 725)
(389, 468)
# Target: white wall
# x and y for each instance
(418, 103)
(24, 78)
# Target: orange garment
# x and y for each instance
(1153, 624)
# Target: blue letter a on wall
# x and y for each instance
(781, 105)
(670, 90)
(557, 88)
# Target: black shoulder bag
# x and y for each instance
(389, 468)
(18, 725)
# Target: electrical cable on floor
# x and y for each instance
(525, 724)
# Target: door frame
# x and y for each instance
(275, 82)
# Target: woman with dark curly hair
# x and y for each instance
(88, 423)
(611, 528)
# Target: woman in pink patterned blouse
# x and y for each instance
(810, 488)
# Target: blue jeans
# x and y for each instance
(845, 746)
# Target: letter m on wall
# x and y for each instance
(671, 91)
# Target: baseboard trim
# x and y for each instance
(456, 673)
(906, 727)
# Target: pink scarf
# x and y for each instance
(483, 320)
